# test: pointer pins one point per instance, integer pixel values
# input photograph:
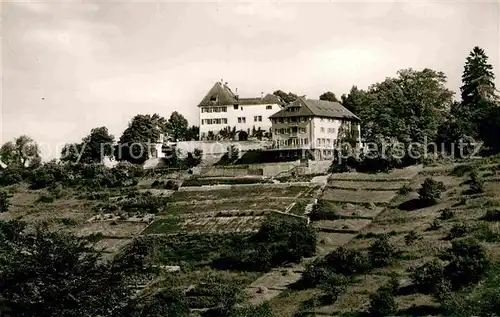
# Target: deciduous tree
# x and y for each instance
(22, 152)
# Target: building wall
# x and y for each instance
(282, 132)
(249, 112)
(325, 131)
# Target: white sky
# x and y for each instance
(99, 64)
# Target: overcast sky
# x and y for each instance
(69, 67)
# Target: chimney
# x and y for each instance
(261, 95)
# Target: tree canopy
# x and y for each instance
(328, 96)
(139, 137)
(93, 148)
(408, 108)
(44, 273)
(287, 98)
(177, 127)
(22, 152)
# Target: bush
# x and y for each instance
(468, 262)
(411, 237)
(4, 201)
(334, 285)
(435, 225)
(458, 231)
(431, 190)
(405, 189)
(492, 215)
(347, 261)
(446, 214)
(427, 277)
(46, 199)
(382, 252)
(382, 303)
(323, 210)
(476, 183)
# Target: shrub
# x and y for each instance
(427, 277)
(405, 189)
(468, 262)
(347, 261)
(334, 285)
(457, 231)
(323, 210)
(4, 201)
(382, 303)
(431, 190)
(382, 252)
(461, 170)
(476, 183)
(411, 237)
(233, 153)
(435, 225)
(492, 215)
(46, 199)
(446, 214)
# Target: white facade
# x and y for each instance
(242, 117)
(324, 132)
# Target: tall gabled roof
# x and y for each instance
(315, 108)
(220, 94)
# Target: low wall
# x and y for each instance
(213, 171)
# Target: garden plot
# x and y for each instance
(212, 208)
(255, 192)
(205, 225)
(347, 225)
(110, 228)
(359, 196)
(111, 245)
(404, 174)
(349, 210)
(366, 185)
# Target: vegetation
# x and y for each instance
(431, 190)
(4, 201)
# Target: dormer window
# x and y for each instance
(213, 98)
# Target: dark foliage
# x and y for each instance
(382, 252)
(431, 190)
(4, 201)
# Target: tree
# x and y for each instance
(45, 273)
(138, 139)
(93, 148)
(409, 108)
(22, 152)
(193, 133)
(355, 100)
(431, 190)
(328, 96)
(287, 98)
(177, 127)
(479, 97)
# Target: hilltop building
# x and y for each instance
(314, 125)
(223, 110)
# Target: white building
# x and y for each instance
(315, 125)
(222, 109)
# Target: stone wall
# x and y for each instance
(249, 186)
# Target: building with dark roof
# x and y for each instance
(223, 109)
(314, 124)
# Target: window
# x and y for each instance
(239, 119)
(216, 109)
(260, 118)
(280, 120)
(202, 121)
(213, 98)
(224, 109)
(255, 118)
(235, 107)
(306, 141)
(328, 142)
(242, 120)
(322, 130)
(318, 141)
(302, 130)
(331, 130)
(224, 120)
(218, 121)
(241, 108)
(269, 107)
